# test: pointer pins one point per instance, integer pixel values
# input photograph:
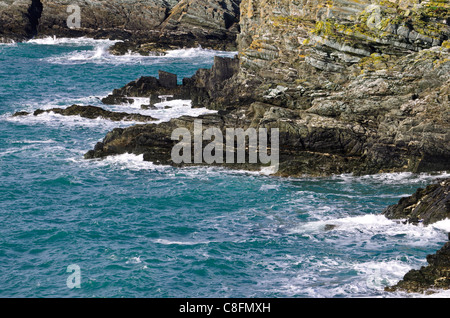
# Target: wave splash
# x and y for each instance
(96, 51)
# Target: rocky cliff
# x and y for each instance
(369, 80)
(143, 23)
(19, 19)
(354, 86)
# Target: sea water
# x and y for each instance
(136, 229)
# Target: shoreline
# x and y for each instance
(348, 98)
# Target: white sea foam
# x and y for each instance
(8, 44)
(197, 53)
(128, 162)
(377, 274)
(318, 276)
(443, 225)
(176, 108)
(375, 224)
(393, 178)
(134, 260)
(370, 234)
(26, 141)
(164, 111)
(80, 41)
(169, 242)
(56, 120)
(99, 53)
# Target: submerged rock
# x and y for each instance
(91, 112)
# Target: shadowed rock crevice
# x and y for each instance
(33, 15)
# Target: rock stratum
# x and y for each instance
(354, 86)
(146, 26)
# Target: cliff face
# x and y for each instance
(368, 79)
(18, 19)
(169, 22)
(334, 35)
(354, 86)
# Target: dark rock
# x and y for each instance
(203, 87)
(149, 107)
(93, 112)
(426, 206)
(330, 227)
(147, 86)
(21, 114)
(435, 276)
(168, 80)
(145, 49)
(146, 26)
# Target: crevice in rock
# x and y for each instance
(33, 15)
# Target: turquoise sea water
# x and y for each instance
(140, 230)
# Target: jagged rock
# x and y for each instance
(19, 19)
(376, 122)
(370, 89)
(150, 87)
(428, 279)
(426, 206)
(91, 112)
(146, 26)
(204, 86)
(18, 114)
(168, 80)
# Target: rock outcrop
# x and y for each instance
(354, 86)
(19, 19)
(203, 88)
(369, 79)
(428, 279)
(357, 87)
(146, 26)
(427, 206)
(90, 112)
